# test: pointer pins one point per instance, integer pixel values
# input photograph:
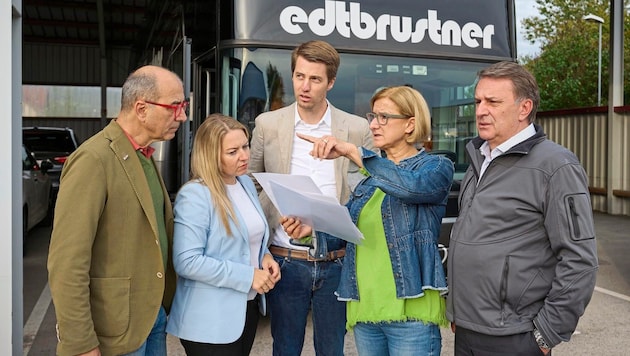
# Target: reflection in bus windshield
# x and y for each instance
(448, 87)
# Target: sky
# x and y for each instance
(525, 8)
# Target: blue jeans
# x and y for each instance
(307, 285)
(405, 338)
(155, 345)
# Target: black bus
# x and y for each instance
(437, 47)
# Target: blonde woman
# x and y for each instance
(394, 282)
(220, 246)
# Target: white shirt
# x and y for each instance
(253, 222)
(302, 163)
(521, 136)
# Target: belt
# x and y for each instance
(304, 255)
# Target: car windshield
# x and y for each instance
(49, 142)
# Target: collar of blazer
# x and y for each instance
(286, 131)
(130, 163)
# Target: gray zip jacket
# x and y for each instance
(522, 251)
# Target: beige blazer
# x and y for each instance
(106, 273)
(272, 144)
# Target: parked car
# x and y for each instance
(37, 199)
(51, 143)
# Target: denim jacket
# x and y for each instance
(416, 191)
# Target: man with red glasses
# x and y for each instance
(110, 268)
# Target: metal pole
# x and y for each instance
(616, 156)
(600, 22)
(185, 129)
(599, 69)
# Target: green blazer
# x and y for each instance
(106, 273)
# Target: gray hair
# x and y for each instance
(523, 82)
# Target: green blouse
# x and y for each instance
(375, 279)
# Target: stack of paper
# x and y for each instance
(299, 196)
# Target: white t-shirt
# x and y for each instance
(253, 222)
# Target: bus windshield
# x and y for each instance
(262, 82)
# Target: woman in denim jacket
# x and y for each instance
(394, 281)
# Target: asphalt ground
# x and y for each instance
(604, 328)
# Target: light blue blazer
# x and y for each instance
(214, 271)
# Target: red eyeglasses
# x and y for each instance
(177, 108)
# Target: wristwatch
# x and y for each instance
(540, 340)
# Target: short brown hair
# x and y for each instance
(318, 52)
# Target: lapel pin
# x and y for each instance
(125, 157)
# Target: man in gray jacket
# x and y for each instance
(522, 256)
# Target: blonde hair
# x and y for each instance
(205, 162)
(410, 103)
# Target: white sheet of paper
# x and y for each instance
(296, 182)
(321, 212)
(301, 197)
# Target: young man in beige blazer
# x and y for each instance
(310, 276)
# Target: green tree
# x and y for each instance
(566, 69)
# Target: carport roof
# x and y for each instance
(136, 24)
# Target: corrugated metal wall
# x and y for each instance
(65, 64)
(585, 132)
(582, 131)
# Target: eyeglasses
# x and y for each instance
(177, 108)
(382, 119)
